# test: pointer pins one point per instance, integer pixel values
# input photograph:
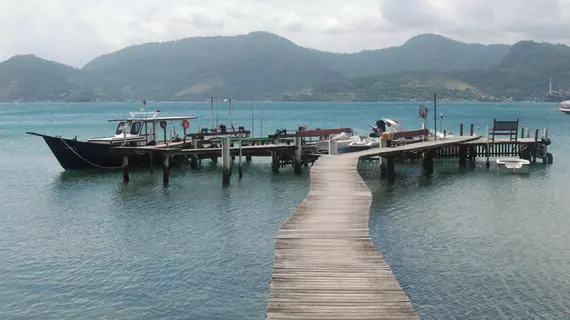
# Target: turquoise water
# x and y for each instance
(464, 243)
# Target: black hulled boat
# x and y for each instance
(139, 129)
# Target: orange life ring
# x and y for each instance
(185, 124)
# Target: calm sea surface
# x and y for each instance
(464, 243)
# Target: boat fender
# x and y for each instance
(185, 124)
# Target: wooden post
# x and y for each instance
(487, 162)
(472, 132)
(166, 169)
(528, 132)
(522, 133)
(536, 135)
(333, 147)
(298, 155)
(126, 169)
(226, 161)
(428, 161)
(240, 168)
(383, 161)
(461, 129)
(274, 162)
(435, 116)
(151, 160)
(390, 170)
(462, 155)
(194, 161)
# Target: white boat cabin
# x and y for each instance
(146, 128)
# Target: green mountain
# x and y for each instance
(31, 78)
(522, 74)
(246, 67)
(422, 53)
(242, 66)
(262, 64)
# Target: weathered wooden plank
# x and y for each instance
(325, 265)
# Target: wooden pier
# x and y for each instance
(326, 266)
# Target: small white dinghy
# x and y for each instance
(513, 165)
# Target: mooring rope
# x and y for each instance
(87, 161)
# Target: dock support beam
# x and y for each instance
(240, 167)
(226, 161)
(428, 161)
(274, 161)
(166, 169)
(462, 155)
(390, 170)
(333, 147)
(384, 143)
(151, 162)
(194, 161)
(298, 155)
(126, 169)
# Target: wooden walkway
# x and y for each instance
(390, 152)
(325, 265)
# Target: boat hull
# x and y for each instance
(80, 155)
(565, 110)
(510, 166)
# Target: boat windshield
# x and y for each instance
(120, 128)
(136, 127)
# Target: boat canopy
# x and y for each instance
(151, 116)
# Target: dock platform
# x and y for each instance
(326, 266)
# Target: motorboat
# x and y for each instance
(364, 143)
(139, 129)
(513, 165)
(564, 106)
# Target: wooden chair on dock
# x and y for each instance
(504, 128)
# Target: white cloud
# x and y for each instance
(74, 31)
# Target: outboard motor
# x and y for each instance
(381, 125)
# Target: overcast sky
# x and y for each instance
(75, 31)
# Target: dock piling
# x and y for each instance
(390, 170)
(226, 161)
(166, 169)
(333, 147)
(471, 130)
(151, 162)
(240, 168)
(298, 155)
(126, 169)
(428, 161)
(274, 162)
(461, 129)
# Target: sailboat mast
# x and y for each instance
(230, 107)
(212, 109)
